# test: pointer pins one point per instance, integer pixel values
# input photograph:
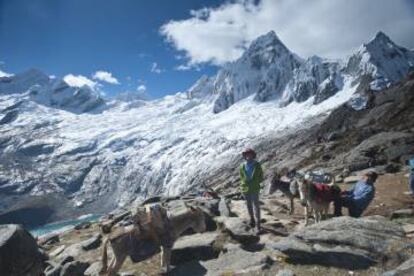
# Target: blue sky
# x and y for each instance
(126, 44)
(84, 36)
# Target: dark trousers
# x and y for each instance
(411, 180)
(345, 201)
(253, 206)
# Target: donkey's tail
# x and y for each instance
(104, 257)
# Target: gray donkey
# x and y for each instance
(289, 188)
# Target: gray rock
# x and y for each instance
(66, 260)
(238, 229)
(237, 261)
(405, 269)
(193, 268)
(75, 268)
(127, 273)
(19, 253)
(53, 270)
(285, 272)
(57, 251)
(73, 250)
(403, 213)
(53, 239)
(345, 242)
(93, 269)
(93, 242)
(195, 247)
(83, 225)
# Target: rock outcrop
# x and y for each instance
(19, 253)
(347, 243)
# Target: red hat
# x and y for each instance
(249, 151)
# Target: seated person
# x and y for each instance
(411, 177)
(357, 199)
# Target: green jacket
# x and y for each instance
(253, 186)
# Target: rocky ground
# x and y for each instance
(380, 242)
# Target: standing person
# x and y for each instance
(357, 199)
(411, 177)
(251, 175)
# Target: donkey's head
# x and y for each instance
(275, 182)
(304, 183)
(198, 219)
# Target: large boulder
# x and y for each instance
(195, 247)
(237, 261)
(75, 268)
(72, 250)
(233, 262)
(19, 253)
(346, 242)
(93, 242)
(238, 229)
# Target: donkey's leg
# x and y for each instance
(291, 206)
(315, 211)
(326, 211)
(116, 265)
(165, 259)
(306, 215)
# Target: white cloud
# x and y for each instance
(79, 81)
(155, 68)
(141, 88)
(323, 27)
(5, 74)
(105, 77)
(183, 67)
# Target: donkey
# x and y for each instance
(126, 242)
(289, 189)
(316, 196)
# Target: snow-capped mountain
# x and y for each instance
(270, 71)
(382, 60)
(37, 86)
(126, 152)
(263, 70)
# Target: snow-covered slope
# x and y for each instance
(126, 152)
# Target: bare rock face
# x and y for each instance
(19, 253)
(346, 242)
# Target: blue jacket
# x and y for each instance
(362, 194)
